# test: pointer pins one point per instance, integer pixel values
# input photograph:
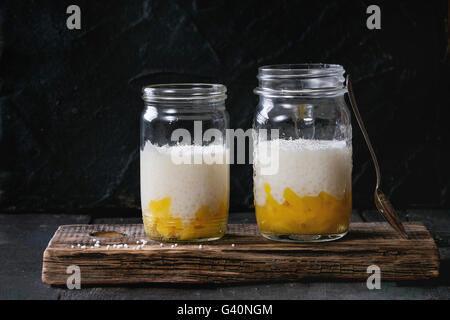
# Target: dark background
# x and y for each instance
(70, 99)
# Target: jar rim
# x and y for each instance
(184, 92)
(302, 70)
(303, 79)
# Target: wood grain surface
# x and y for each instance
(251, 259)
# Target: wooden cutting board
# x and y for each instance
(251, 259)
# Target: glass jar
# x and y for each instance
(184, 169)
(302, 153)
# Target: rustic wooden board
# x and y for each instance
(251, 259)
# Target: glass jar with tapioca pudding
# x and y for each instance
(302, 153)
(184, 162)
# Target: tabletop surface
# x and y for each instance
(23, 238)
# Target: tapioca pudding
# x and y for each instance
(309, 194)
(184, 202)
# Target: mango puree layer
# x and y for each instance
(161, 224)
(309, 215)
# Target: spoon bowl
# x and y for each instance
(385, 207)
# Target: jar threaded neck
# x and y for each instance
(286, 80)
(184, 92)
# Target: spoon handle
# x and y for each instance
(363, 129)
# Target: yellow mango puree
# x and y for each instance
(309, 215)
(160, 223)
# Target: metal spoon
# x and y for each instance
(382, 203)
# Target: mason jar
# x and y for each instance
(183, 157)
(302, 153)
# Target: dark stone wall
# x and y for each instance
(70, 100)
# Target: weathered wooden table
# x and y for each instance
(24, 237)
